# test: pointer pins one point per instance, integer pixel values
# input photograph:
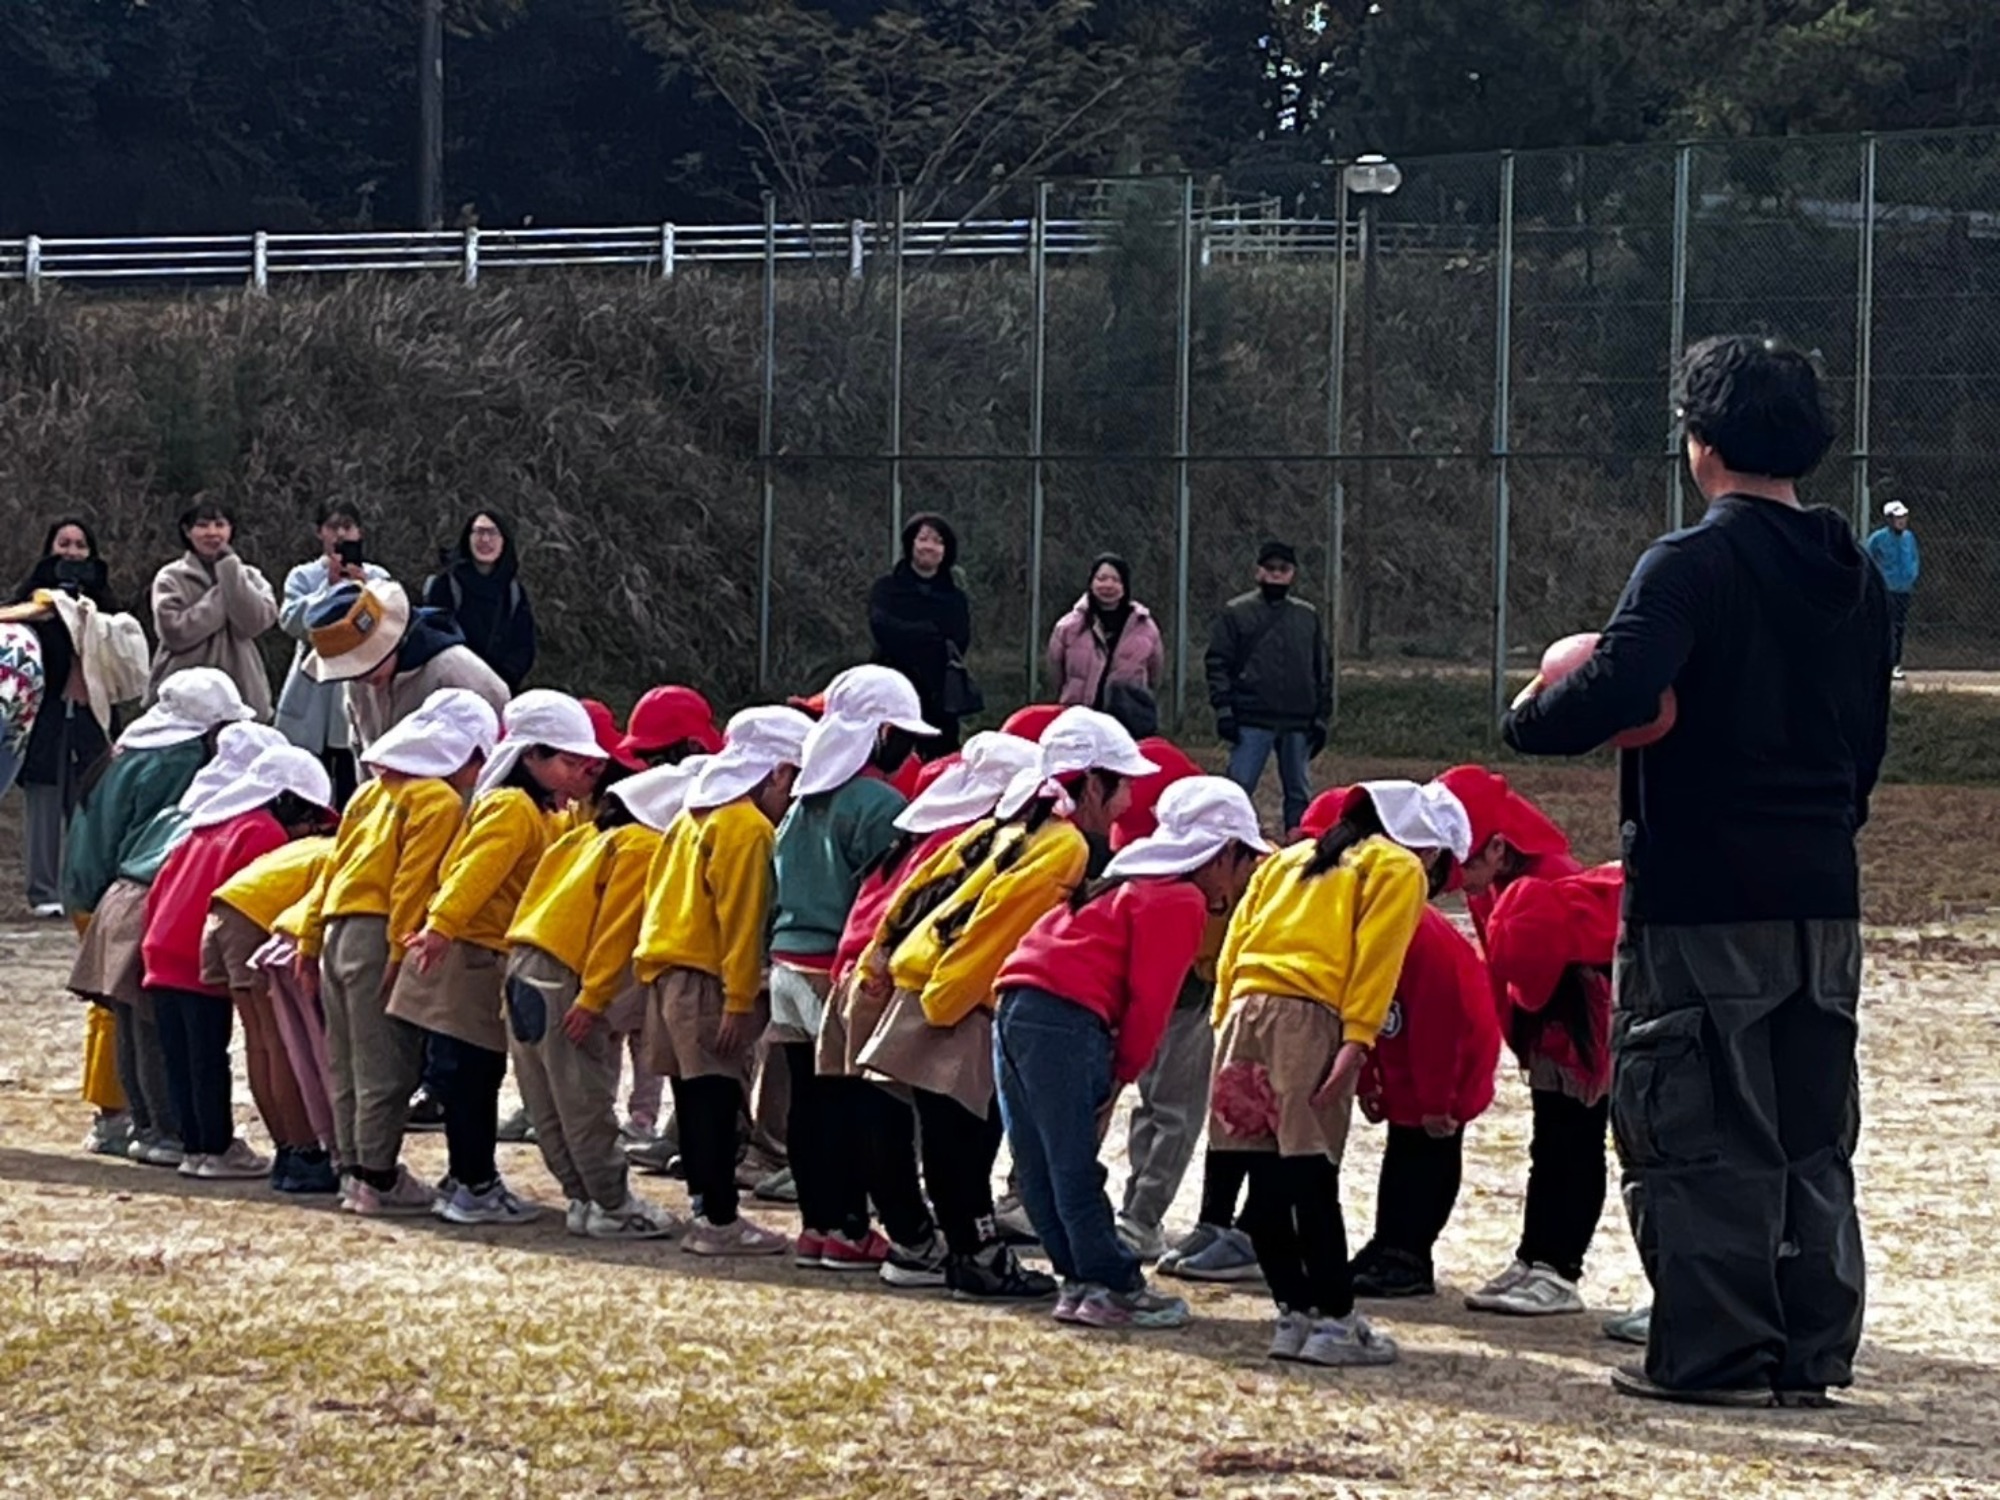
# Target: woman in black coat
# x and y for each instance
(479, 586)
(66, 739)
(917, 613)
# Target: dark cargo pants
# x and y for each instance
(1735, 1106)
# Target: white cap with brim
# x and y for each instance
(281, 769)
(440, 738)
(1422, 817)
(859, 704)
(235, 748)
(1199, 817)
(655, 797)
(191, 702)
(1077, 739)
(967, 791)
(539, 717)
(355, 629)
(754, 744)
(1895, 508)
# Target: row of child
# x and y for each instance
(996, 956)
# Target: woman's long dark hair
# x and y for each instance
(1363, 821)
(96, 585)
(1568, 1008)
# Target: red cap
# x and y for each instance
(1540, 927)
(1028, 723)
(668, 715)
(1497, 810)
(1327, 809)
(929, 772)
(604, 724)
(1138, 820)
(909, 776)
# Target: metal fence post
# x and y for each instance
(896, 385)
(31, 266)
(766, 419)
(1336, 405)
(1038, 368)
(472, 255)
(1677, 333)
(1183, 342)
(1503, 397)
(857, 240)
(1864, 338)
(260, 261)
(668, 251)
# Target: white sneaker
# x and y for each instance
(576, 1218)
(1895, 673)
(741, 1238)
(238, 1164)
(1144, 1240)
(1347, 1341)
(48, 909)
(1540, 1294)
(409, 1198)
(1289, 1335)
(634, 1219)
(190, 1164)
(1483, 1299)
(496, 1206)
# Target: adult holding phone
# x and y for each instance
(313, 714)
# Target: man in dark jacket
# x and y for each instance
(921, 619)
(1735, 1101)
(1268, 681)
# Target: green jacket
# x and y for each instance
(150, 845)
(135, 787)
(824, 844)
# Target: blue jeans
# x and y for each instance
(1052, 1061)
(1253, 748)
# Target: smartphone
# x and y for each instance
(350, 553)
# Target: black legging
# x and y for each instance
(467, 1079)
(1223, 1174)
(1418, 1189)
(1566, 1182)
(194, 1037)
(822, 1149)
(1294, 1221)
(705, 1113)
(959, 1149)
(884, 1132)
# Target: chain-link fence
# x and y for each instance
(1494, 453)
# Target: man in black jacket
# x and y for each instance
(1735, 1099)
(1268, 681)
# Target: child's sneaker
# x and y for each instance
(110, 1135)
(1347, 1341)
(1498, 1287)
(515, 1128)
(497, 1206)
(808, 1249)
(1193, 1242)
(1069, 1298)
(776, 1187)
(917, 1267)
(1143, 1240)
(840, 1253)
(657, 1157)
(1380, 1272)
(993, 1274)
(426, 1115)
(634, 1219)
(1145, 1308)
(1011, 1219)
(1635, 1327)
(408, 1199)
(1230, 1257)
(238, 1164)
(190, 1164)
(1541, 1293)
(1289, 1334)
(576, 1218)
(740, 1238)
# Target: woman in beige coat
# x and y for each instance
(209, 607)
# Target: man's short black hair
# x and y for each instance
(332, 512)
(1756, 402)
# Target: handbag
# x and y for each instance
(960, 697)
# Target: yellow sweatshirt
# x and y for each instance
(708, 901)
(386, 857)
(267, 887)
(954, 954)
(584, 905)
(488, 868)
(1338, 937)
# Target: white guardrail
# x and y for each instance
(661, 248)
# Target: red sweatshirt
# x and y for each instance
(1123, 957)
(1540, 929)
(1437, 1054)
(875, 894)
(177, 904)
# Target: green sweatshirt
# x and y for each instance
(135, 787)
(824, 844)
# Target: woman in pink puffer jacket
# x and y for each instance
(1106, 639)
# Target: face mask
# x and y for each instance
(1273, 592)
(72, 573)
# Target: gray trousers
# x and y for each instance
(42, 823)
(375, 1059)
(1735, 1105)
(571, 1092)
(142, 1072)
(1167, 1121)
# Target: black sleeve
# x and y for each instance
(1649, 639)
(516, 656)
(1322, 674)
(896, 635)
(1869, 733)
(1221, 662)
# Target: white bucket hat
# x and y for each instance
(281, 769)
(1422, 817)
(235, 748)
(859, 704)
(539, 717)
(655, 797)
(967, 791)
(1077, 739)
(447, 730)
(754, 744)
(1200, 816)
(192, 701)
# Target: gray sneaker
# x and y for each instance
(1347, 1341)
(516, 1128)
(1230, 1258)
(1193, 1242)
(657, 1157)
(1541, 1293)
(777, 1187)
(496, 1206)
(110, 1135)
(1633, 1327)
(1483, 1299)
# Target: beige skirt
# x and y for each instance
(956, 1061)
(109, 966)
(229, 940)
(1270, 1058)
(683, 1014)
(463, 997)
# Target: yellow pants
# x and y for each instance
(100, 1061)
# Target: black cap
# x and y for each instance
(1277, 552)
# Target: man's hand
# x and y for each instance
(732, 1035)
(1226, 730)
(1346, 1067)
(427, 948)
(578, 1023)
(1315, 740)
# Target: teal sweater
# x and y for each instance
(824, 844)
(135, 788)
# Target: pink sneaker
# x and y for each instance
(741, 1238)
(839, 1253)
(408, 1199)
(809, 1250)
